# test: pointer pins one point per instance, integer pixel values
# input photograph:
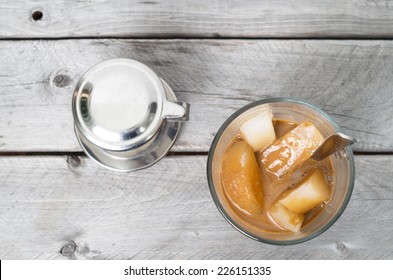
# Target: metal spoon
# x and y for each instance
(332, 144)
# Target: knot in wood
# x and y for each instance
(68, 249)
(341, 247)
(62, 80)
(74, 162)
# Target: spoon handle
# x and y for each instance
(332, 144)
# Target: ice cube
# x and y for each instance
(294, 148)
(259, 131)
(286, 218)
(310, 193)
(241, 179)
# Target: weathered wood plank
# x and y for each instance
(204, 18)
(46, 202)
(351, 80)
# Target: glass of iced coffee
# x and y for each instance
(263, 178)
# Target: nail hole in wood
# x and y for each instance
(37, 15)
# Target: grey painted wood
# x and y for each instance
(204, 18)
(165, 212)
(351, 80)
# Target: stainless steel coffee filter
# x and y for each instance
(126, 117)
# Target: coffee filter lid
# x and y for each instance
(118, 104)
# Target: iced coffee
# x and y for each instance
(268, 177)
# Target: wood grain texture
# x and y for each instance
(351, 80)
(161, 213)
(204, 18)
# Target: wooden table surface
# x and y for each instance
(55, 203)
